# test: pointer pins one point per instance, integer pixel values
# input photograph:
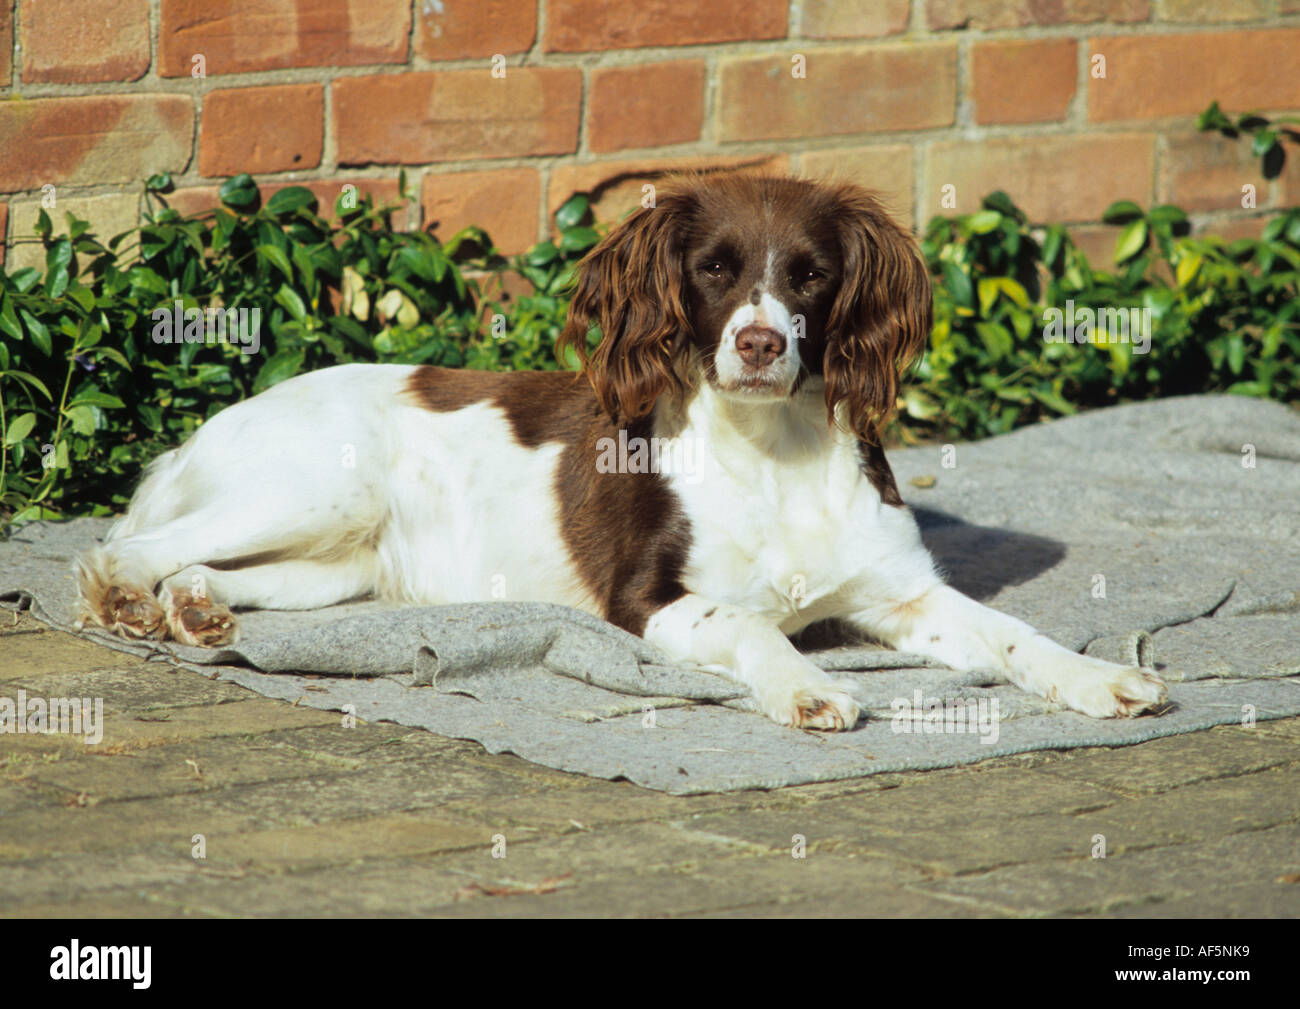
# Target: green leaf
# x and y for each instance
(289, 298)
(1186, 269)
(988, 294)
(8, 318)
(94, 397)
(25, 279)
(31, 380)
(996, 339)
(43, 224)
(1003, 204)
(57, 258)
(578, 239)
(160, 182)
(958, 284)
(289, 199)
(984, 222)
(1053, 401)
(573, 211)
(541, 254)
(1264, 139)
(276, 257)
(19, 428)
(282, 365)
(1131, 241)
(1236, 353)
(39, 334)
(1121, 212)
(82, 419)
(239, 192)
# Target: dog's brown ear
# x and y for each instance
(631, 287)
(880, 320)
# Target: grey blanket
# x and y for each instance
(1135, 530)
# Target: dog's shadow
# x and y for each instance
(978, 561)
(981, 561)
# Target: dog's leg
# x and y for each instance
(945, 625)
(788, 688)
(197, 601)
(117, 580)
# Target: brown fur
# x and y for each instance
(626, 531)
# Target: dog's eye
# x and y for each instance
(802, 278)
(713, 267)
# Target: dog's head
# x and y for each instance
(756, 283)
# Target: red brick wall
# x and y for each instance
(907, 96)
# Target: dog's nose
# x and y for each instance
(759, 345)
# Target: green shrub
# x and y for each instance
(1222, 317)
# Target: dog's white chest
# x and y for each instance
(773, 537)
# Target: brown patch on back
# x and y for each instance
(626, 532)
(875, 467)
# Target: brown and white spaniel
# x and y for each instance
(713, 481)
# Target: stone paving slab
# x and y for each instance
(302, 816)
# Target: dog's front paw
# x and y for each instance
(816, 705)
(1114, 691)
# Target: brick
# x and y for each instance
(615, 186)
(1231, 230)
(1023, 81)
(1289, 7)
(456, 114)
(108, 216)
(504, 203)
(238, 36)
(1051, 178)
(983, 14)
(650, 105)
(1224, 10)
(6, 42)
(845, 91)
(588, 25)
(100, 139)
(1204, 171)
(274, 129)
(886, 171)
(455, 31)
(1150, 76)
(853, 19)
(95, 40)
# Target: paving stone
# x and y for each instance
(430, 884)
(1200, 811)
(40, 880)
(348, 840)
(1162, 764)
(192, 766)
(948, 824)
(48, 832)
(28, 647)
(112, 906)
(1193, 873)
(1250, 900)
(1286, 727)
(138, 687)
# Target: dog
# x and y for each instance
(711, 480)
